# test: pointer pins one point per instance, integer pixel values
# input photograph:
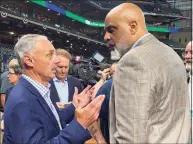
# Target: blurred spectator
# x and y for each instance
(4, 81)
(63, 85)
(13, 77)
(105, 90)
(188, 63)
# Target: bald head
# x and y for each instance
(189, 45)
(124, 25)
(128, 12)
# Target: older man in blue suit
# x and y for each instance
(30, 116)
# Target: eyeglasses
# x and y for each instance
(10, 73)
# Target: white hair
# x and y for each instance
(26, 44)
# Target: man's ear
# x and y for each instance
(134, 27)
(28, 60)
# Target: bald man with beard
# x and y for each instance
(149, 98)
(188, 60)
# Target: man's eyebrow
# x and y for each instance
(51, 51)
(110, 26)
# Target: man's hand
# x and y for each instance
(82, 99)
(62, 105)
(105, 73)
(88, 115)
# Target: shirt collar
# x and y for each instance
(57, 80)
(43, 90)
(141, 38)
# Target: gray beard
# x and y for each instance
(122, 46)
(189, 67)
(115, 55)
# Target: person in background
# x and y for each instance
(105, 89)
(4, 81)
(13, 77)
(189, 63)
(30, 116)
(63, 85)
(149, 100)
(2, 68)
(104, 77)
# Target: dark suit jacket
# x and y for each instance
(8, 91)
(105, 90)
(28, 119)
(72, 83)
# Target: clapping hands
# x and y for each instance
(82, 99)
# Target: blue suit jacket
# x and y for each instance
(28, 119)
(72, 83)
(105, 90)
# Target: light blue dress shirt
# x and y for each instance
(45, 92)
(62, 89)
(141, 38)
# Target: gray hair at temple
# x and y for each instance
(25, 45)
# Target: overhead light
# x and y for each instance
(50, 1)
(48, 9)
(57, 25)
(85, 49)
(58, 14)
(82, 45)
(11, 33)
(27, 1)
(71, 44)
(67, 41)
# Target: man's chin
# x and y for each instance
(188, 66)
(115, 55)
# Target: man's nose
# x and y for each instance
(107, 37)
(63, 70)
(188, 55)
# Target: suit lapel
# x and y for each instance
(70, 89)
(41, 100)
(53, 94)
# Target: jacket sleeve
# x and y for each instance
(105, 90)
(67, 113)
(134, 98)
(26, 127)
